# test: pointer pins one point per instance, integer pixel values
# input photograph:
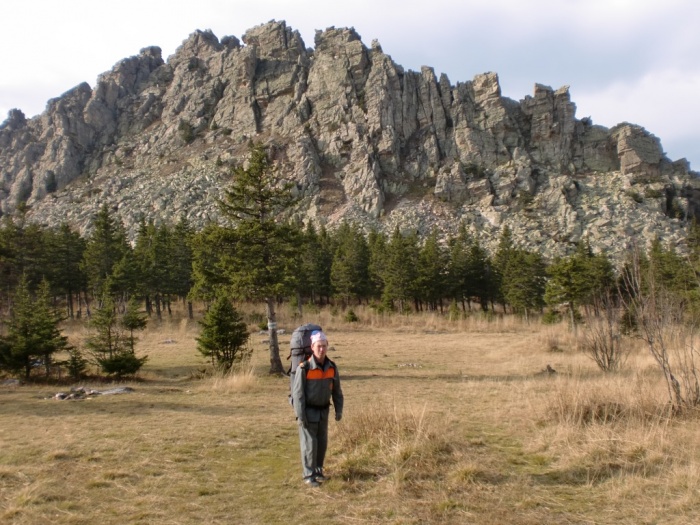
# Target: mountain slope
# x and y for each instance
(363, 139)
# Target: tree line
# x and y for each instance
(256, 256)
(390, 272)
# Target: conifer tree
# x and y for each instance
(22, 253)
(105, 248)
(65, 249)
(349, 269)
(479, 277)
(501, 258)
(432, 267)
(224, 334)
(133, 321)
(523, 281)
(376, 244)
(209, 249)
(400, 270)
(577, 279)
(111, 348)
(180, 255)
(33, 334)
(458, 268)
(261, 249)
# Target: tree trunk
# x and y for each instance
(275, 361)
(70, 303)
(190, 311)
(573, 317)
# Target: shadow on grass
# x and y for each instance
(98, 405)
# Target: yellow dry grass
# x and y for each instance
(445, 422)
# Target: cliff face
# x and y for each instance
(363, 139)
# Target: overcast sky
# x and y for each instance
(624, 60)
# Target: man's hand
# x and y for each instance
(338, 416)
(304, 422)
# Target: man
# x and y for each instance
(316, 382)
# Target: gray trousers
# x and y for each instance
(314, 442)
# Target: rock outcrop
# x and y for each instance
(362, 139)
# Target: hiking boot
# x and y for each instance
(319, 476)
(311, 482)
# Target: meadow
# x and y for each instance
(444, 422)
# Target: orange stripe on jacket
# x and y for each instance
(317, 373)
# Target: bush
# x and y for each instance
(635, 196)
(76, 364)
(186, 131)
(258, 319)
(351, 316)
(454, 313)
(551, 317)
(651, 193)
(122, 364)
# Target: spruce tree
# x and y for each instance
(224, 334)
(209, 247)
(400, 270)
(65, 249)
(261, 248)
(105, 248)
(578, 279)
(479, 277)
(501, 258)
(181, 256)
(133, 321)
(432, 267)
(33, 336)
(111, 348)
(458, 268)
(350, 266)
(523, 281)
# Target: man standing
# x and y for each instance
(316, 382)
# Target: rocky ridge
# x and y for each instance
(361, 138)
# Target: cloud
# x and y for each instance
(633, 60)
(660, 101)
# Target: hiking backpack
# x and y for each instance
(300, 346)
(299, 351)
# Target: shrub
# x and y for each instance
(121, 364)
(76, 364)
(224, 334)
(455, 312)
(351, 316)
(186, 131)
(651, 193)
(551, 317)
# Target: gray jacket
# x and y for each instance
(314, 388)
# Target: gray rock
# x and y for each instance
(362, 139)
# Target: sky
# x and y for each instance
(632, 61)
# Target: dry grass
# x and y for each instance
(444, 423)
(240, 380)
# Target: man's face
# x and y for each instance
(319, 348)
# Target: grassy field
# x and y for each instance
(444, 423)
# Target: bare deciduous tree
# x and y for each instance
(671, 339)
(602, 340)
